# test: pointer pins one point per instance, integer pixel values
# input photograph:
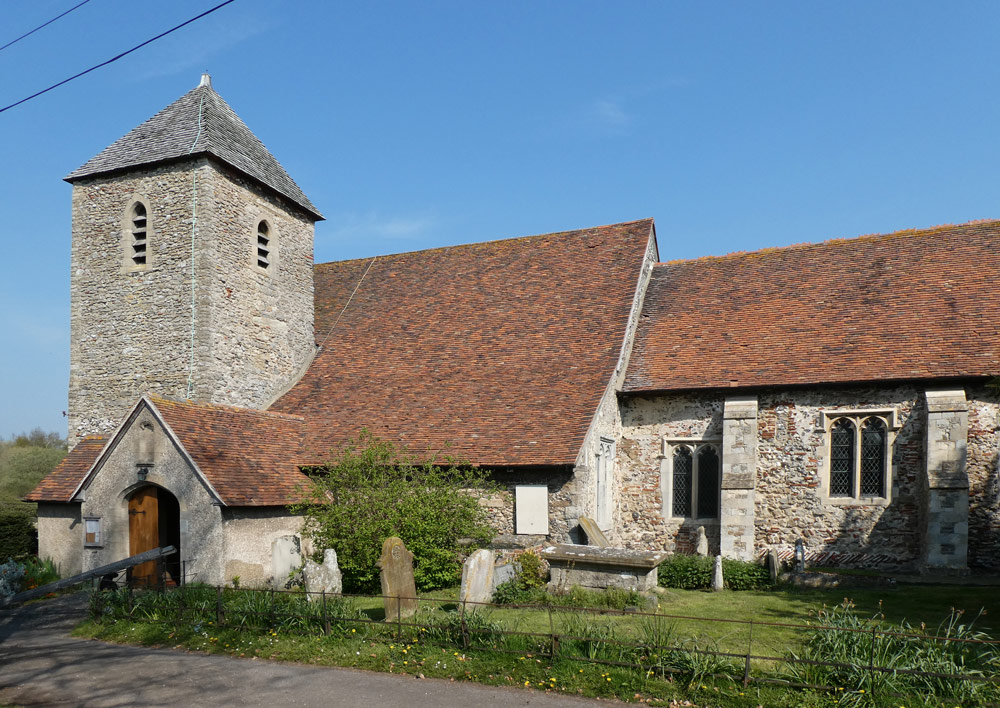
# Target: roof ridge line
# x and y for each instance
(487, 242)
(224, 407)
(915, 232)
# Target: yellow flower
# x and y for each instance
(527, 683)
(353, 631)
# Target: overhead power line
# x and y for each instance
(31, 32)
(116, 58)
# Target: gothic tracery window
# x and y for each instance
(859, 457)
(695, 481)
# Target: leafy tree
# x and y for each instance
(22, 467)
(39, 438)
(373, 489)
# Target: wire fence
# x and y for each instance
(955, 663)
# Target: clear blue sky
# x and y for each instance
(735, 125)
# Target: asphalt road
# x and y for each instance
(40, 665)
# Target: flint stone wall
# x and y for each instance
(790, 493)
(646, 421)
(131, 328)
(984, 478)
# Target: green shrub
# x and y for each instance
(18, 537)
(686, 572)
(373, 490)
(743, 575)
(533, 573)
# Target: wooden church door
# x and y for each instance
(144, 532)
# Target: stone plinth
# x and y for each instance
(600, 568)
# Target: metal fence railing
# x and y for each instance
(876, 658)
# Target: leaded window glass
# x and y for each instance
(682, 482)
(842, 459)
(708, 482)
(873, 440)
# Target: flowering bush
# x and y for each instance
(11, 577)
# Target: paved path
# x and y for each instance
(41, 666)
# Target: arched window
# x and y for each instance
(682, 482)
(842, 459)
(263, 245)
(695, 481)
(859, 456)
(139, 231)
(873, 458)
(708, 482)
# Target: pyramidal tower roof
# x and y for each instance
(197, 123)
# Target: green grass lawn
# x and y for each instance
(524, 661)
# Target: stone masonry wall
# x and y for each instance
(646, 422)
(792, 475)
(984, 478)
(131, 328)
(107, 494)
(581, 490)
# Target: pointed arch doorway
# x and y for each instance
(154, 521)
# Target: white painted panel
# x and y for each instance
(531, 508)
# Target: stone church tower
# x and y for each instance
(192, 268)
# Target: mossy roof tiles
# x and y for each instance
(920, 304)
(497, 353)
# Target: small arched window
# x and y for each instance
(873, 440)
(139, 228)
(683, 468)
(708, 482)
(842, 459)
(263, 245)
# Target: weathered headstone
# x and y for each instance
(286, 557)
(595, 537)
(701, 547)
(503, 573)
(325, 577)
(399, 591)
(477, 578)
(773, 565)
(718, 582)
(800, 556)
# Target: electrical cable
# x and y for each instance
(30, 32)
(116, 58)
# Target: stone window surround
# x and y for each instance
(99, 533)
(270, 221)
(128, 265)
(668, 445)
(604, 476)
(857, 417)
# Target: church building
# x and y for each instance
(837, 393)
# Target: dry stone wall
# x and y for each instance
(132, 327)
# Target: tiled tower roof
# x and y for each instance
(198, 123)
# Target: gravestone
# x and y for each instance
(477, 578)
(286, 557)
(718, 582)
(399, 591)
(773, 565)
(503, 573)
(600, 568)
(325, 577)
(595, 537)
(701, 547)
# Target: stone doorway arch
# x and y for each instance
(154, 522)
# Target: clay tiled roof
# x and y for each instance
(197, 123)
(60, 483)
(909, 305)
(248, 456)
(501, 350)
